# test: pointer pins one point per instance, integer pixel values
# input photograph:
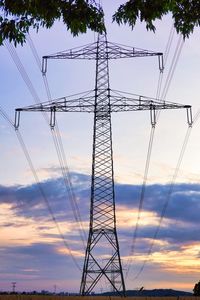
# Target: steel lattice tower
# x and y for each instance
(102, 256)
(102, 212)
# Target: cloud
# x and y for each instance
(182, 201)
(181, 213)
(28, 200)
(37, 262)
(29, 234)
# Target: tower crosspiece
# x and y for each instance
(102, 101)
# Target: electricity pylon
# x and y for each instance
(102, 101)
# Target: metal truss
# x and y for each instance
(117, 104)
(102, 256)
(112, 51)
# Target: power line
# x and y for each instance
(173, 65)
(60, 151)
(164, 93)
(150, 146)
(169, 194)
(6, 117)
(39, 186)
(170, 191)
(165, 58)
(33, 92)
(141, 201)
(44, 196)
(30, 86)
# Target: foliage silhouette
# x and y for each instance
(196, 289)
(17, 17)
(185, 13)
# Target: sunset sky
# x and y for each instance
(32, 252)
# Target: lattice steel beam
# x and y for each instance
(102, 101)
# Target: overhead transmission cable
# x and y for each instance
(150, 145)
(29, 84)
(173, 65)
(149, 152)
(142, 193)
(169, 194)
(145, 177)
(6, 117)
(165, 90)
(165, 58)
(24, 75)
(38, 184)
(60, 150)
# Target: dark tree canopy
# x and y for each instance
(196, 289)
(185, 13)
(18, 16)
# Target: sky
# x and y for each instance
(32, 253)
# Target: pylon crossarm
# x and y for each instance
(113, 51)
(138, 103)
(121, 51)
(83, 52)
(82, 104)
(64, 104)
